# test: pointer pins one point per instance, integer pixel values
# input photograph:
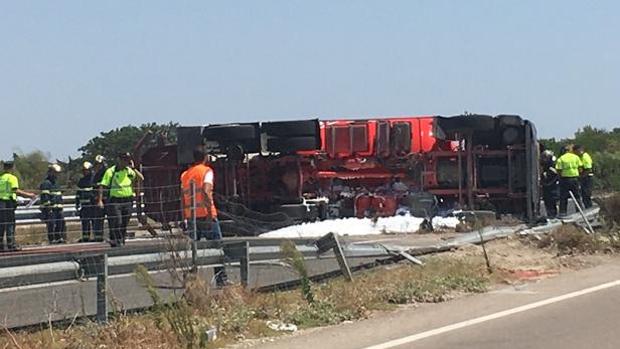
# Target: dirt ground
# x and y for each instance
(519, 258)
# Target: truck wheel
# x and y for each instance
(467, 122)
(510, 120)
(230, 133)
(291, 128)
(511, 135)
(293, 144)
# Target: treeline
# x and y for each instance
(32, 167)
(603, 145)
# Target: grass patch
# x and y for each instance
(610, 209)
(238, 314)
(569, 239)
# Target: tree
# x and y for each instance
(550, 144)
(123, 139)
(593, 139)
(31, 168)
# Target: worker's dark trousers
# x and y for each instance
(119, 212)
(586, 191)
(566, 185)
(209, 229)
(7, 223)
(98, 217)
(87, 218)
(550, 198)
(55, 222)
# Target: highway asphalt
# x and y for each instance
(572, 311)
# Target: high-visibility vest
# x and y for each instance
(119, 182)
(568, 165)
(197, 175)
(8, 185)
(586, 160)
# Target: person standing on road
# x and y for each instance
(9, 190)
(51, 206)
(86, 202)
(119, 181)
(550, 181)
(569, 168)
(587, 175)
(99, 170)
(207, 224)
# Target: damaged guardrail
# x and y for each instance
(95, 262)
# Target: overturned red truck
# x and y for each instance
(271, 174)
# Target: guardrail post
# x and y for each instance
(239, 251)
(330, 241)
(102, 284)
(244, 262)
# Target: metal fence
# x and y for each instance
(32, 214)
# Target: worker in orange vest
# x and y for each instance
(207, 225)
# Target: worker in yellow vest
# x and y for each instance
(569, 168)
(202, 205)
(585, 180)
(9, 190)
(118, 181)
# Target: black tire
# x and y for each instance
(291, 128)
(510, 120)
(231, 133)
(512, 135)
(188, 138)
(459, 123)
(293, 144)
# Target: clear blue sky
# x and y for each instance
(71, 69)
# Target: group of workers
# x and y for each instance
(102, 191)
(108, 191)
(571, 173)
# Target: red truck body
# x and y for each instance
(311, 169)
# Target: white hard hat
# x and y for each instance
(55, 167)
(99, 159)
(87, 165)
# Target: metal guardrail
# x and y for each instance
(32, 215)
(94, 260)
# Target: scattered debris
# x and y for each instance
(590, 230)
(281, 326)
(411, 258)
(211, 334)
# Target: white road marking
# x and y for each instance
(501, 314)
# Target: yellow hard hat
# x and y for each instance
(87, 165)
(55, 167)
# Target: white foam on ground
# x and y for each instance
(359, 226)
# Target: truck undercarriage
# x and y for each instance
(273, 174)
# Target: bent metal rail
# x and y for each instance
(41, 271)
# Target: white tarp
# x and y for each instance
(359, 226)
